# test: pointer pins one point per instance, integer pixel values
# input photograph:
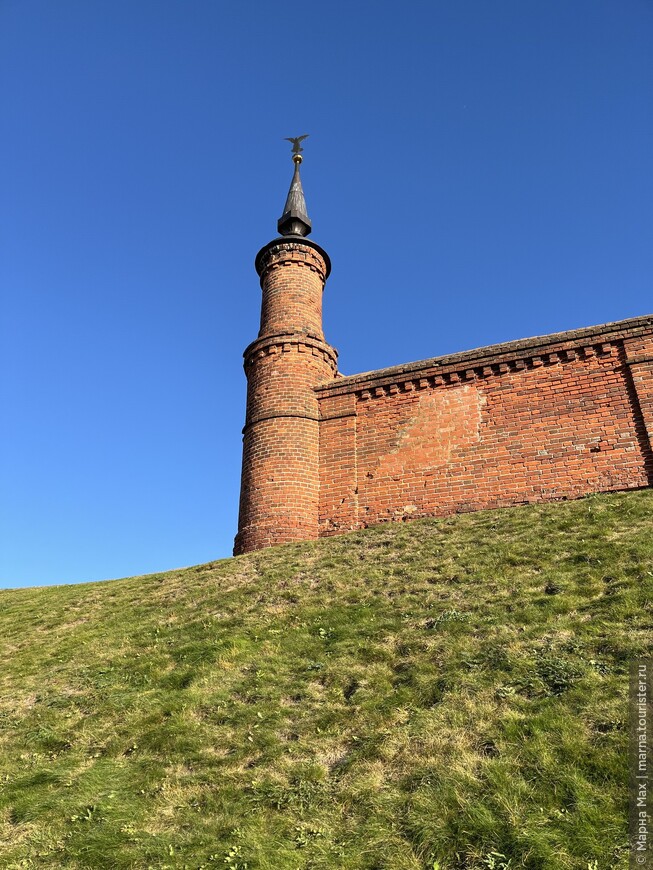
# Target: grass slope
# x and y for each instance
(446, 693)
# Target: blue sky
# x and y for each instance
(478, 171)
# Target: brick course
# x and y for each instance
(551, 417)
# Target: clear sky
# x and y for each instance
(478, 171)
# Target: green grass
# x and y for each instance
(447, 693)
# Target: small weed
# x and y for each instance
(234, 859)
(496, 861)
(315, 666)
(599, 666)
(306, 834)
(447, 616)
(558, 674)
(87, 815)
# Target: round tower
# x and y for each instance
(280, 474)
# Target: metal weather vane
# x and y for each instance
(296, 147)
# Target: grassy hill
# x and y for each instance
(447, 693)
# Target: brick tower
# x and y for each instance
(280, 475)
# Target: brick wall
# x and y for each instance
(553, 417)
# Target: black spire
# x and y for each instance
(294, 221)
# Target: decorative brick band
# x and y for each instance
(285, 343)
(284, 252)
(457, 375)
(263, 417)
(490, 361)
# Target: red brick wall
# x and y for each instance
(555, 417)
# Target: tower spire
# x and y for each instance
(295, 221)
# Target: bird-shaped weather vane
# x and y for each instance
(296, 147)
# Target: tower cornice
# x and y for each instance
(284, 342)
(291, 243)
